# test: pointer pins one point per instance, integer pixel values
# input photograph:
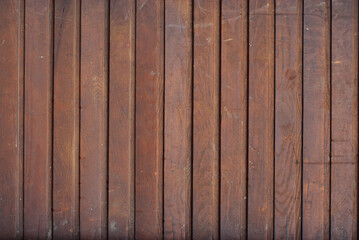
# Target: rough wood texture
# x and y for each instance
(261, 119)
(234, 78)
(206, 119)
(121, 120)
(66, 120)
(288, 119)
(11, 118)
(316, 120)
(178, 119)
(344, 132)
(93, 115)
(38, 119)
(149, 118)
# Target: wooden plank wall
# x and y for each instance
(179, 119)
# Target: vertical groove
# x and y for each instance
(163, 118)
(134, 117)
(192, 105)
(302, 118)
(107, 21)
(274, 109)
(52, 32)
(23, 122)
(247, 112)
(219, 112)
(331, 116)
(79, 129)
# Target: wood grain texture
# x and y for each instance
(11, 118)
(288, 119)
(206, 120)
(121, 119)
(234, 79)
(316, 119)
(178, 119)
(261, 119)
(149, 119)
(93, 125)
(66, 119)
(344, 131)
(38, 119)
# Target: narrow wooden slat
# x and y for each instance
(11, 118)
(149, 118)
(316, 119)
(38, 119)
(344, 138)
(288, 119)
(66, 120)
(93, 115)
(261, 119)
(234, 80)
(206, 120)
(178, 119)
(121, 122)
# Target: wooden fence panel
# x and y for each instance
(38, 119)
(11, 118)
(94, 119)
(179, 119)
(66, 119)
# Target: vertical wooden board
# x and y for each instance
(288, 119)
(261, 119)
(93, 115)
(178, 119)
(344, 138)
(316, 119)
(149, 119)
(206, 120)
(11, 118)
(38, 119)
(121, 119)
(66, 120)
(234, 80)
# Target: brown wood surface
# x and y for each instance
(288, 119)
(38, 119)
(66, 120)
(316, 120)
(178, 119)
(121, 120)
(234, 107)
(344, 127)
(261, 119)
(94, 118)
(206, 91)
(149, 119)
(11, 118)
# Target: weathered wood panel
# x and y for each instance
(149, 118)
(344, 126)
(206, 119)
(261, 119)
(66, 119)
(121, 119)
(38, 119)
(234, 108)
(11, 118)
(316, 120)
(94, 119)
(288, 119)
(178, 119)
